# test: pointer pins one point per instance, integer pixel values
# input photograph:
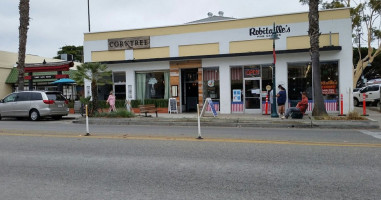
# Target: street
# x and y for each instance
(49, 160)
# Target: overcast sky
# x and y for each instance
(56, 23)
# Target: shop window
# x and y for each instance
(300, 79)
(211, 82)
(152, 85)
(119, 79)
(236, 89)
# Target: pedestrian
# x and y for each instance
(300, 107)
(281, 99)
(111, 102)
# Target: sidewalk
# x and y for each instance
(239, 120)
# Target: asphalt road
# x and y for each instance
(48, 160)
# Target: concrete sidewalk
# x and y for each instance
(239, 120)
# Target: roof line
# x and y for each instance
(234, 19)
(325, 48)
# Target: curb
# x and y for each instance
(368, 124)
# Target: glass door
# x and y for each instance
(252, 95)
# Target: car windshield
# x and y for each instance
(55, 96)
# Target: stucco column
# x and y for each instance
(225, 91)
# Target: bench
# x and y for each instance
(149, 108)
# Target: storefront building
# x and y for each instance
(228, 61)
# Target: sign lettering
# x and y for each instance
(129, 43)
(263, 32)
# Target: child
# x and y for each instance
(111, 101)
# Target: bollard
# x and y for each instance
(341, 105)
(87, 122)
(198, 123)
(267, 104)
(364, 105)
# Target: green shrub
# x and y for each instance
(159, 103)
(118, 114)
(71, 104)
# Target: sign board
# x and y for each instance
(172, 105)
(211, 104)
(237, 96)
(129, 43)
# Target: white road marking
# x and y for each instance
(373, 134)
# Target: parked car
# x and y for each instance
(34, 105)
(372, 94)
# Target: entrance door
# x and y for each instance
(252, 95)
(189, 89)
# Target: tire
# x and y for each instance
(356, 102)
(57, 117)
(34, 115)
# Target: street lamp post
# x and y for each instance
(274, 37)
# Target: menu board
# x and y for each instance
(172, 105)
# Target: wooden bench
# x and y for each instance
(148, 108)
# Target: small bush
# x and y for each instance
(350, 116)
(117, 114)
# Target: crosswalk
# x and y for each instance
(372, 133)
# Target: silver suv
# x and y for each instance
(34, 104)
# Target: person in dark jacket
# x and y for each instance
(281, 99)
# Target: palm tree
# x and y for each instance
(23, 31)
(98, 74)
(313, 32)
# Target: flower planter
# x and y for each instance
(71, 110)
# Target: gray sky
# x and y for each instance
(56, 23)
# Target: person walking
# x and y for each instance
(281, 99)
(111, 102)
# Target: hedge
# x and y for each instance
(159, 103)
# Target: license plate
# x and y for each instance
(60, 106)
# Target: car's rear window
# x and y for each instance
(55, 97)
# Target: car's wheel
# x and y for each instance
(57, 117)
(355, 102)
(34, 115)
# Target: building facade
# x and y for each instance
(229, 61)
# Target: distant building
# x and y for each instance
(9, 73)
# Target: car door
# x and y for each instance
(373, 93)
(22, 104)
(7, 105)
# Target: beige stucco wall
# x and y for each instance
(4, 88)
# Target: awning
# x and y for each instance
(63, 81)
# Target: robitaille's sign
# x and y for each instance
(265, 32)
(129, 43)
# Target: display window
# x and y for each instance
(152, 85)
(300, 80)
(211, 86)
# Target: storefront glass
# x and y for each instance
(152, 85)
(211, 85)
(119, 79)
(300, 80)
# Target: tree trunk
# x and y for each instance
(313, 16)
(94, 92)
(23, 30)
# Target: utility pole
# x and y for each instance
(88, 12)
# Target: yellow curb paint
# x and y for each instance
(226, 140)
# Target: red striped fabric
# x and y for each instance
(211, 74)
(236, 73)
(216, 106)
